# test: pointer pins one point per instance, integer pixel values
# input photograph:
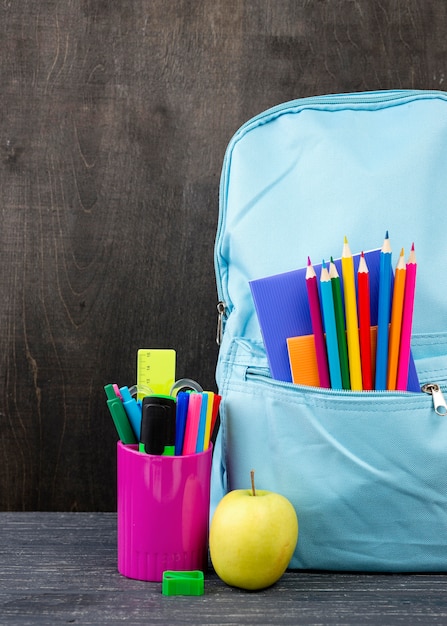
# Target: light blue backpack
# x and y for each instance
(366, 471)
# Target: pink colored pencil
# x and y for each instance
(407, 322)
(364, 322)
(317, 325)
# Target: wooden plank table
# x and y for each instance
(60, 568)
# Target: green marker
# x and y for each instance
(119, 416)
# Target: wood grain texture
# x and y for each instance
(114, 118)
(61, 568)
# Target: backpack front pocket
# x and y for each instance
(366, 471)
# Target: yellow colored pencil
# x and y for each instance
(396, 321)
(352, 325)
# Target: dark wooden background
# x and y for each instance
(115, 116)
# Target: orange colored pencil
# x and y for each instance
(364, 322)
(396, 321)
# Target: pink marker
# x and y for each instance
(117, 391)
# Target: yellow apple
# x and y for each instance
(253, 535)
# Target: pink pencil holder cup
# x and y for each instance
(163, 512)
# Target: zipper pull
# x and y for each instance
(221, 308)
(439, 403)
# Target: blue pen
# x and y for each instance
(384, 313)
(133, 410)
(180, 420)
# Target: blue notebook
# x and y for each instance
(282, 309)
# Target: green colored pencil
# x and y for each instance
(340, 325)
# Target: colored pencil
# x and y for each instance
(340, 325)
(396, 321)
(327, 305)
(352, 326)
(407, 321)
(317, 325)
(364, 312)
(383, 317)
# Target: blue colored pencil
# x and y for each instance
(327, 306)
(384, 313)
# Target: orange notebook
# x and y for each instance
(303, 358)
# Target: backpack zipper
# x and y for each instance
(221, 317)
(433, 389)
(439, 403)
(359, 97)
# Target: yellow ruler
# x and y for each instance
(155, 370)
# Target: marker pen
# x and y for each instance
(133, 410)
(119, 416)
(181, 412)
(157, 434)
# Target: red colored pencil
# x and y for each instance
(364, 322)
